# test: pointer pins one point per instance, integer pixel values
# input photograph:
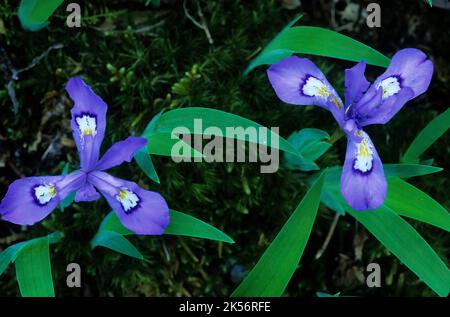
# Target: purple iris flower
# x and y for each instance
(298, 81)
(31, 199)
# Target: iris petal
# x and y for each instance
(298, 81)
(408, 76)
(355, 83)
(363, 183)
(140, 210)
(88, 121)
(120, 152)
(29, 200)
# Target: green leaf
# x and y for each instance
(275, 268)
(163, 143)
(33, 269)
(33, 14)
(186, 117)
(116, 242)
(407, 200)
(433, 131)
(144, 161)
(185, 225)
(271, 56)
(323, 294)
(400, 238)
(317, 41)
(310, 145)
(430, 2)
(111, 232)
(9, 255)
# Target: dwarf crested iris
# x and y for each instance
(31, 199)
(298, 81)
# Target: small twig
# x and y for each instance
(38, 59)
(8, 65)
(202, 25)
(328, 237)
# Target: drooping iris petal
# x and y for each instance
(29, 200)
(355, 83)
(88, 121)
(408, 76)
(87, 193)
(363, 183)
(120, 152)
(298, 81)
(140, 210)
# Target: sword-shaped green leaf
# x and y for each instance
(272, 273)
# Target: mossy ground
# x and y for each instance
(142, 59)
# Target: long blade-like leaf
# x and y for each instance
(185, 225)
(116, 242)
(433, 131)
(405, 243)
(407, 200)
(33, 269)
(180, 224)
(197, 119)
(275, 268)
(317, 41)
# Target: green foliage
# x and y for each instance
(275, 268)
(310, 144)
(33, 14)
(433, 131)
(399, 237)
(316, 41)
(33, 269)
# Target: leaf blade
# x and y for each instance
(399, 237)
(116, 242)
(409, 201)
(432, 131)
(33, 269)
(271, 274)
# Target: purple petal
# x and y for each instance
(355, 83)
(363, 183)
(88, 121)
(31, 199)
(408, 76)
(87, 193)
(120, 152)
(139, 210)
(298, 81)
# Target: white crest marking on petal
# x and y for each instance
(314, 87)
(390, 86)
(127, 199)
(87, 125)
(45, 193)
(364, 154)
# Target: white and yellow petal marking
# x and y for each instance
(43, 194)
(87, 124)
(390, 86)
(364, 154)
(128, 199)
(314, 87)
